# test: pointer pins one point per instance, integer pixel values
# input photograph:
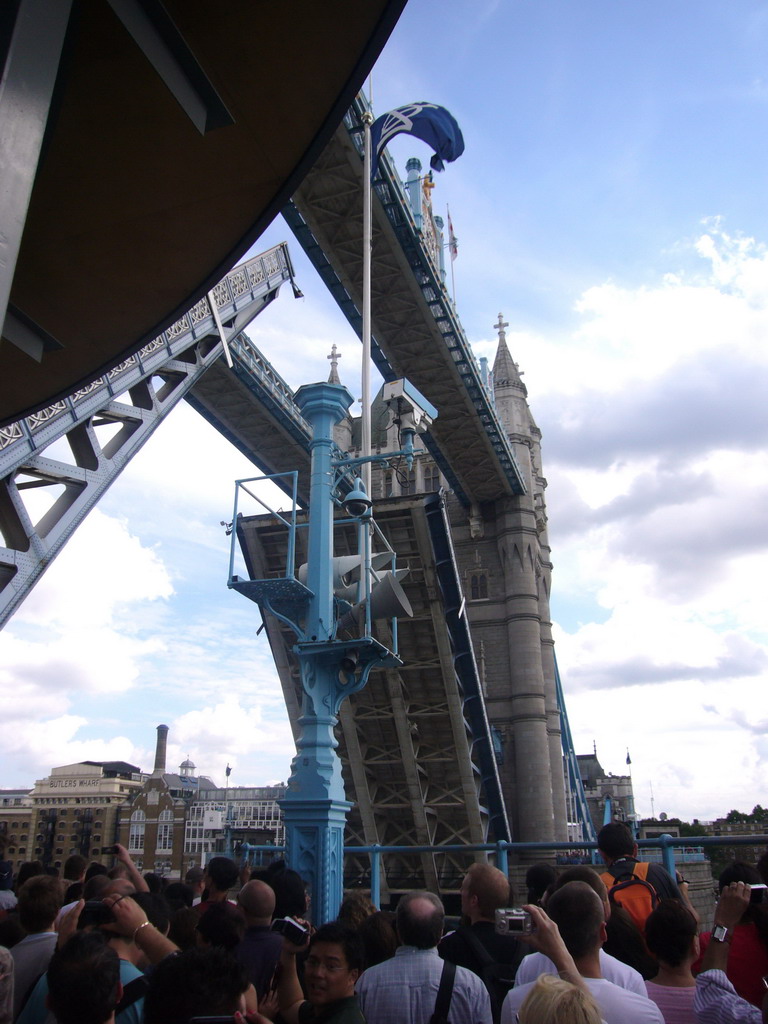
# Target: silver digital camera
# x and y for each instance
(514, 921)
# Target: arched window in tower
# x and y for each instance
(498, 744)
(431, 478)
(165, 831)
(136, 833)
(387, 485)
(478, 587)
(408, 482)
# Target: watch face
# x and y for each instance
(720, 933)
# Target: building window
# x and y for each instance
(165, 831)
(431, 478)
(478, 587)
(409, 482)
(136, 833)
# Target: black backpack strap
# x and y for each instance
(132, 992)
(476, 946)
(444, 993)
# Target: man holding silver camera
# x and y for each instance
(477, 945)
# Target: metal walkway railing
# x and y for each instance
(500, 852)
(241, 287)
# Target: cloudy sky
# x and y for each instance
(611, 204)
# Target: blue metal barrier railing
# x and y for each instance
(501, 851)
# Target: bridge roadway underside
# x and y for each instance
(250, 420)
(409, 758)
(329, 203)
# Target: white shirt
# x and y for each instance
(617, 1005)
(612, 970)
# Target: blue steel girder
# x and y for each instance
(130, 401)
(416, 330)
(574, 782)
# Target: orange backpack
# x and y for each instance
(632, 891)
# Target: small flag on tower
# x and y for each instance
(427, 121)
(228, 771)
(629, 759)
(453, 242)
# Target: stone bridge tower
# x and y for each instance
(503, 552)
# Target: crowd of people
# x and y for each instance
(231, 946)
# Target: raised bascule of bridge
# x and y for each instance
(467, 741)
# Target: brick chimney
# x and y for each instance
(162, 740)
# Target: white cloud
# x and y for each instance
(100, 569)
(37, 746)
(624, 334)
(657, 506)
(71, 641)
(68, 637)
(236, 732)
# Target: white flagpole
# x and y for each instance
(365, 440)
(450, 252)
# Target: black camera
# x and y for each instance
(291, 930)
(95, 913)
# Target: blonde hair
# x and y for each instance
(554, 1001)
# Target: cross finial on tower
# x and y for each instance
(500, 325)
(335, 356)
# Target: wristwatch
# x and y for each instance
(720, 933)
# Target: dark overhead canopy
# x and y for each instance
(176, 133)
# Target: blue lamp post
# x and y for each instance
(331, 665)
(315, 807)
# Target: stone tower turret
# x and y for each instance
(520, 684)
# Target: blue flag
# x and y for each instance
(432, 124)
